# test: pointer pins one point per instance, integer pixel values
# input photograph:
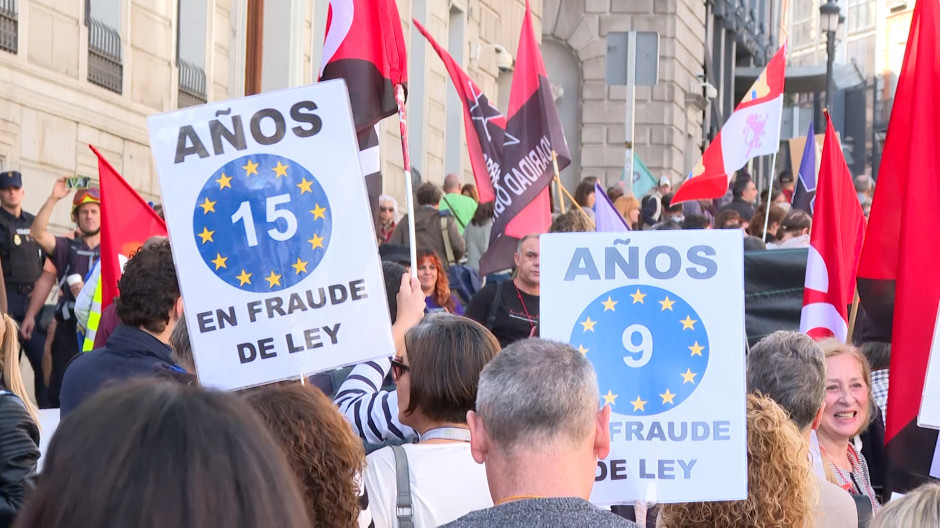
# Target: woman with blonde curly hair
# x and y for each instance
(780, 492)
(434, 284)
(324, 454)
(849, 409)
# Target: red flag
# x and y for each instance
(533, 133)
(753, 129)
(484, 123)
(836, 241)
(901, 249)
(364, 45)
(126, 222)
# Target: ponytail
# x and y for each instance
(10, 362)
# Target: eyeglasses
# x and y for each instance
(399, 368)
(387, 209)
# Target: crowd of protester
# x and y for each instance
(453, 430)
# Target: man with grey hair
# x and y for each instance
(537, 401)
(463, 207)
(790, 368)
(865, 188)
(510, 309)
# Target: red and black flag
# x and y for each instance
(484, 123)
(895, 283)
(533, 134)
(365, 46)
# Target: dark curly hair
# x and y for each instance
(148, 288)
(428, 193)
(325, 455)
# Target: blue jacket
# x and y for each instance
(129, 353)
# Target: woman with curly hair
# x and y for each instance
(324, 454)
(780, 491)
(849, 409)
(434, 284)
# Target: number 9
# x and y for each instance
(645, 346)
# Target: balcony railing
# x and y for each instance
(192, 89)
(9, 26)
(104, 56)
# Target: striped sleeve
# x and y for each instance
(373, 413)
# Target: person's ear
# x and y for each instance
(479, 441)
(178, 308)
(819, 414)
(602, 433)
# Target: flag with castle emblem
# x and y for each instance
(752, 130)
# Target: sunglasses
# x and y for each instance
(386, 209)
(398, 368)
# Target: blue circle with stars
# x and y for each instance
(262, 223)
(648, 346)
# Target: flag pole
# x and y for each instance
(852, 314)
(576, 204)
(561, 199)
(406, 165)
(773, 167)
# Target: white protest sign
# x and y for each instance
(930, 402)
(272, 237)
(661, 317)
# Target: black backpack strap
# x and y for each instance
(491, 318)
(403, 505)
(453, 212)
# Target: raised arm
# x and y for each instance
(45, 239)
(372, 412)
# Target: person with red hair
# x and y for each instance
(434, 284)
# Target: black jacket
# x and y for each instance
(129, 353)
(19, 453)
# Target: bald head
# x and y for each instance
(451, 184)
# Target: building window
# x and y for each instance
(191, 52)
(804, 23)
(105, 66)
(861, 15)
(8, 25)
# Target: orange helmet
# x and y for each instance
(86, 196)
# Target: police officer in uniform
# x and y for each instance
(22, 261)
(72, 259)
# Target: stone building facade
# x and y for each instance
(76, 73)
(668, 116)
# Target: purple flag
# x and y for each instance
(607, 219)
(804, 196)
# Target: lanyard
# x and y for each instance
(458, 434)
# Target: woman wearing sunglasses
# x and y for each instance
(387, 218)
(436, 380)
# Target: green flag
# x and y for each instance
(643, 179)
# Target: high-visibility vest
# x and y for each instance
(94, 318)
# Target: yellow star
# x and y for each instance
(224, 181)
(688, 322)
(280, 170)
(688, 376)
(273, 279)
(583, 350)
(638, 297)
(243, 278)
(609, 398)
(667, 397)
(588, 324)
(316, 242)
(207, 206)
(300, 266)
(219, 261)
(304, 186)
(696, 349)
(250, 168)
(317, 211)
(206, 235)
(638, 404)
(667, 304)
(609, 304)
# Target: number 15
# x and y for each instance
(243, 213)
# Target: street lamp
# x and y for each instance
(829, 22)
